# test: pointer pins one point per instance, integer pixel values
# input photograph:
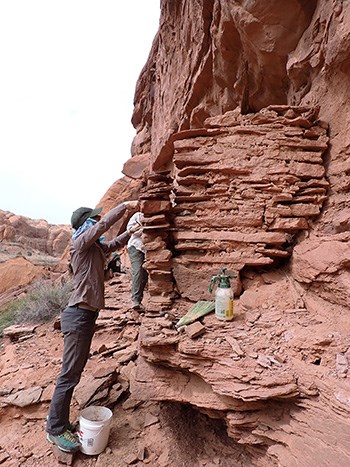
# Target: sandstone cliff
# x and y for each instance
(243, 107)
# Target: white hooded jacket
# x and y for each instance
(136, 238)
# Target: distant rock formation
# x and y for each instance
(29, 250)
(32, 236)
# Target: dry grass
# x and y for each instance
(41, 304)
(45, 301)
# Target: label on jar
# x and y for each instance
(224, 309)
(229, 311)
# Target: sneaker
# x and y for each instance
(69, 426)
(138, 307)
(66, 441)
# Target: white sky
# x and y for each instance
(67, 81)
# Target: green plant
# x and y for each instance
(45, 301)
(7, 316)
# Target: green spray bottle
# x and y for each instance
(223, 295)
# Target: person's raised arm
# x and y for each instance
(105, 223)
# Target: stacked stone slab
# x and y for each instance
(156, 207)
(243, 187)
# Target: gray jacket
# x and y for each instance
(88, 256)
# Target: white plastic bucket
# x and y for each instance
(94, 428)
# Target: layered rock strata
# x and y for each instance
(277, 374)
(253, 374)
(28, 236)
(156, 207)
(30, 250)
(289, 337)
(236, 194)
(210, 56)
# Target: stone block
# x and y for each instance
(195, 329)
(62, 457)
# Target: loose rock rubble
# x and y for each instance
(235, 393)
(142, 432)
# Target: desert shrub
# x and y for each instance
(45, 301)
(7, 316)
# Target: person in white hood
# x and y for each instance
(136, 251)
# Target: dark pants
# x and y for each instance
(78, 327)
(139, 275)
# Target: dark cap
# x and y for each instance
(80, 215)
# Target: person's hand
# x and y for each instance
(131, 204)
(135, 228)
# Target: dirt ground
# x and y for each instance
(158, 434)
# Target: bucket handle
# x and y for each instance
(97, 434)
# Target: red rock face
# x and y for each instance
(245, 57)
(224, 54)
(31, 234)
(237, 193)
(244, 109)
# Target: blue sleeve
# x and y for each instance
(91, 235)
(117, 242)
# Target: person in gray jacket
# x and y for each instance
(88, 255)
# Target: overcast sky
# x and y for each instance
(67, 82)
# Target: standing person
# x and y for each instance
(136, 251)
(88, 254)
